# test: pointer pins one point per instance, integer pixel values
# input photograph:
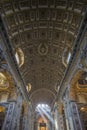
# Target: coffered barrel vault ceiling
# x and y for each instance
(43, 29)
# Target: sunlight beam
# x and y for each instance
(49, 116)
(41, 113)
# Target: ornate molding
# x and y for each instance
(42, 49)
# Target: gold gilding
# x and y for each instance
(2, 109)
(81, 87)
(4, 83)
(83, 109)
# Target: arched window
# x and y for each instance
(66, 56)
(19, 55)
(28, 87)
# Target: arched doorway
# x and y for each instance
(43, 117)
(78, 95)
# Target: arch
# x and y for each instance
(76, 92)
(42, 95)
(42, 89)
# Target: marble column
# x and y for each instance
(61, 124)
(27, 118)
(17, 113)
(53, 125)
(72, 116)
(75, 116)
(9, 116)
